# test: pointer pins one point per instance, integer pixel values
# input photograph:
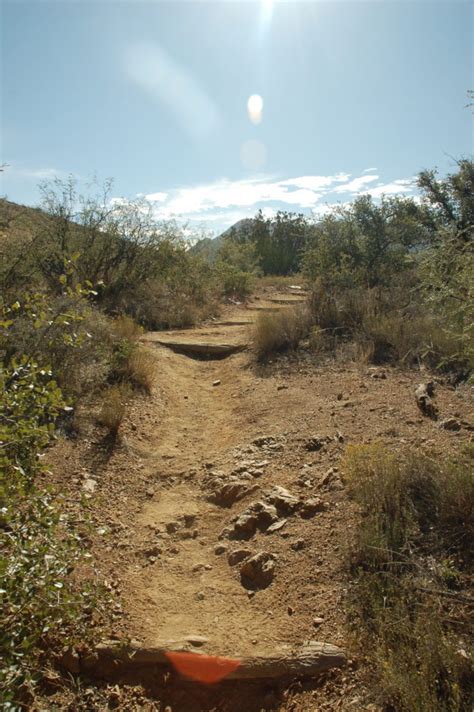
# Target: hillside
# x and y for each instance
(209, 247)
(221, 486)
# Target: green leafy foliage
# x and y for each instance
(278, 242)
(39, 601)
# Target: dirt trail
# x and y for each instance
(190, 591)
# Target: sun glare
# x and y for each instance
(255, 108)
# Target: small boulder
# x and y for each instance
(266, 514)
(258, 571)
(450, 424)
(89, 485)
(276, 526)
(225, 494)
(235, 557)
(298, 544)
(424, 394)
(316, 443)
(311, 506)
(244, 526)
(283, 499)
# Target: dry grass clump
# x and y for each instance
(411, 556)
(139, 369)
(383, 327)
(113, 409)
(280, 330)
(124, 327)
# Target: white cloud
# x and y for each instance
(300, 193)
(396, 187)
(316, 183)
(356, 185)
(369, 170)
(221, 203)
(155, 197)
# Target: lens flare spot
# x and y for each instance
(255, 108)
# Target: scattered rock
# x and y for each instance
(276, 526)
(172, 527)
(311, 506)
(258, 571)
(227, 493)
(153, 551)
(298, 545)
(264, 440)
(220, 549)
(150, 492)
(244, 526)
(189, 520)
(424, 394)
(200, 596)
(235, 557)
(283, 499)
(89, 485)
(216, 383)
(376, 373)
(266, 514)
(331, 480)
(316, 443)
(318, 621)
(450, 424)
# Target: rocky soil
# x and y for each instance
(221, 519)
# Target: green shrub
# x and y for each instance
(41, 606)
(39, 602)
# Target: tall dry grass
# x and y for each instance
(409, 560)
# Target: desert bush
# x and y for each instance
(113, 409)
(63, 331)
(280, 330)
(233, 282)
(411, 505)
(125, 328)
(139, 369)
(41, 607)
(385, 325)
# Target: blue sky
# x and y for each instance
(357, 96)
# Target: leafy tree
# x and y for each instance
(365, 243)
